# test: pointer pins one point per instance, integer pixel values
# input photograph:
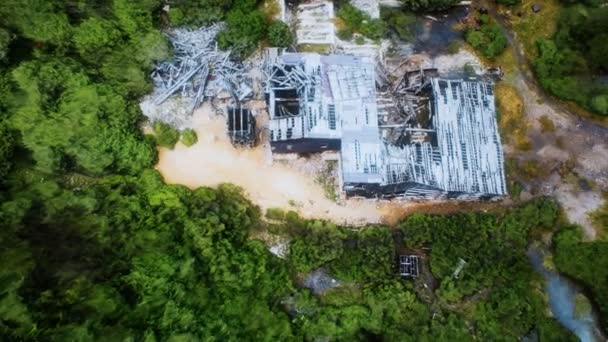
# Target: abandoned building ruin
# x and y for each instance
(408, 266)
(422, 137)
(241, 126)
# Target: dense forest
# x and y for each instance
(121, 257)
(95, 246)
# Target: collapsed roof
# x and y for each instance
(441, 139)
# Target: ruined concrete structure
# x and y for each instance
(241, 126)
(435, 138)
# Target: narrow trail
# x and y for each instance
(524, 71)
(575, 139)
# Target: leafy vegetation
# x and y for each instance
(165, 135)
(400, 22)
(567, 63)
(488, 39)
(360, 22)
(586, 262)
(279, 34)
(247, 21)
(95, 246)
(189, 137)
(511, 118)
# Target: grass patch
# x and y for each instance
(328, 180)
(532, 169)
(275, 214)
(532, 26)
(511, 121)
(318, 48)
(271, 9)
(546, 124)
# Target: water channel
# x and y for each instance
(563, 297)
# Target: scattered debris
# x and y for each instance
(198, 71)
(459, 267)
(536, 8)
(281, 249)
(320, 282)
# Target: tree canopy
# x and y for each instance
(568, 63)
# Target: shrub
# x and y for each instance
(358, 21)
(546, 124)
(489, 39)
(279, 34)
(400, 22)
(345, 33)
(166, 135)
(275, 214)
(600, 104)
(189, 137)
(454, 47)
(245, 29)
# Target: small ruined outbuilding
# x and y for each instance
(408, 266)
(241, 126)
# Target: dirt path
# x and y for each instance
(575, 140)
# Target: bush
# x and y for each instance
(400, 22)
(189, 137)
(599, 104)
(345, 33)
(275, 214)
(358, 21)
(489, 40)
(546, 124)
(279, 34)
(165, 135)
(245, 29)
(567, 62)
(454, 47)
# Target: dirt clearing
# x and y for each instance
(213, 160)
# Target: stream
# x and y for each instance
(565, 299)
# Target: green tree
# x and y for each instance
(5, 39)
(489, 39)
(189, 137)
(279, 34)
(6, 150)
(165, 135)
(245, 30)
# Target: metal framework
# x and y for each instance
(199, 69)
(241, 126)
(426, 137)
(408, 266)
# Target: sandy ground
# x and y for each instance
(213, 160)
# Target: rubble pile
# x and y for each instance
(198, 71)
